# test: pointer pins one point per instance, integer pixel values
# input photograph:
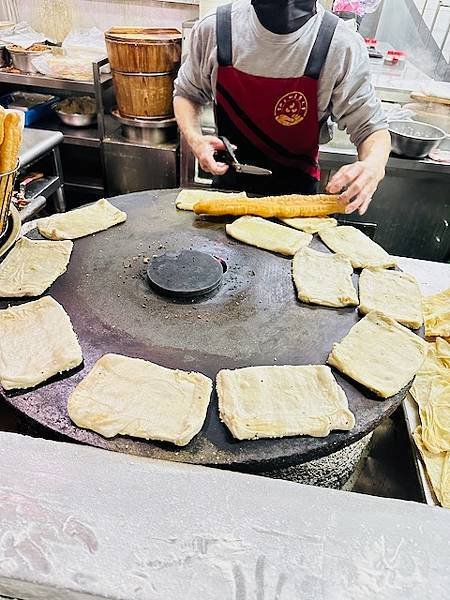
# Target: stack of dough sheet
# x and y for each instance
(394, 293)
(311, 224)
(322, 278)
(32, 266)
(356, 246)
(380, 354)
(81, 222)
(438, 469)
(269, 402)
(187, 198)
(258, 232)
(36, 342)
(431, 391)
(436, 310)
(131, 396)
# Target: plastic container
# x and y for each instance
(35, 107)
(395, 58)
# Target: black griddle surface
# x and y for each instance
(253, 319)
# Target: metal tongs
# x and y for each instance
(228, 157)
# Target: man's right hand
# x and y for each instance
(204, 147)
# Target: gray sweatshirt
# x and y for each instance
(345, 89)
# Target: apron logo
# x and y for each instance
(291, 109)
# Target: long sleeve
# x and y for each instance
(195, 74)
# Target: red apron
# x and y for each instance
(273, 121)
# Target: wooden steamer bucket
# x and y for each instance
(144, 63)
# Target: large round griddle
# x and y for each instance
(253, 319)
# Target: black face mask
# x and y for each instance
(284, 16)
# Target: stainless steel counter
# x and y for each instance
(37, 143)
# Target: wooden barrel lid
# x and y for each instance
(143, 34)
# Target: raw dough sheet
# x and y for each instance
(36, 342)
(269, 402)
(258, 232)
(32, 266)
(437, 467)
(380, 354)
(356, 246)
(310, 224)
(322, 278)
(131, 396)
(81, 222)
(187, 198)
(436, 310)
(431, 391)
(393, 293)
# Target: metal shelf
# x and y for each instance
(42, 81)
(85, 183)
(76, 136)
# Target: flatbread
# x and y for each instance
(437, 467)
(131, 396)
(394, 293)
(310, 224)
(32, 266)
(380, 354)
(83, 221)
(356, 246)
(436, 311)
(322, 278)
(36, 342)
(269, 402)
(258, 232)
(431, 391)
(187, 198)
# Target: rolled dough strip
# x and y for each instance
(281, 207)
(130, 396)
(380, 354)
(394, 293)
(32, 266)
(269, 402)
(356, 246)
(268, 236)
(187, 198)
(36, 342)
(80, 222)
(311, 225)
(322, 278)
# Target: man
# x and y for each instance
(276, 70)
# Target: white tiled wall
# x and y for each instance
(107, 13)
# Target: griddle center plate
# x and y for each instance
(187, 274)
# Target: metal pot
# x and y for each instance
(21, 59)
(147, 131)
(76, 119)
(413, 139)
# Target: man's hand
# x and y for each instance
(360, 181)
(204, 147)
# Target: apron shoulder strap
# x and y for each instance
(224, 36)
(321, 46)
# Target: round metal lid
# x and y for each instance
(187, 274)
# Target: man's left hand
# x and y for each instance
(360, 181)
